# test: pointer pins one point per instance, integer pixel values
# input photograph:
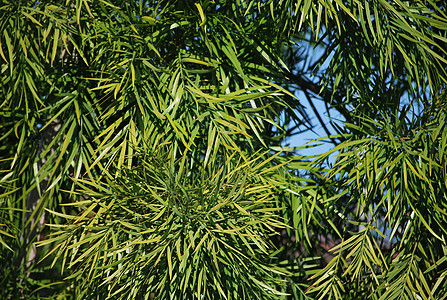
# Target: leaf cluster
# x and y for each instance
(166, 231)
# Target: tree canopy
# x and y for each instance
(148, 149)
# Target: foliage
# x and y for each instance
(395, 177)
(150, 138)
(174, 233)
